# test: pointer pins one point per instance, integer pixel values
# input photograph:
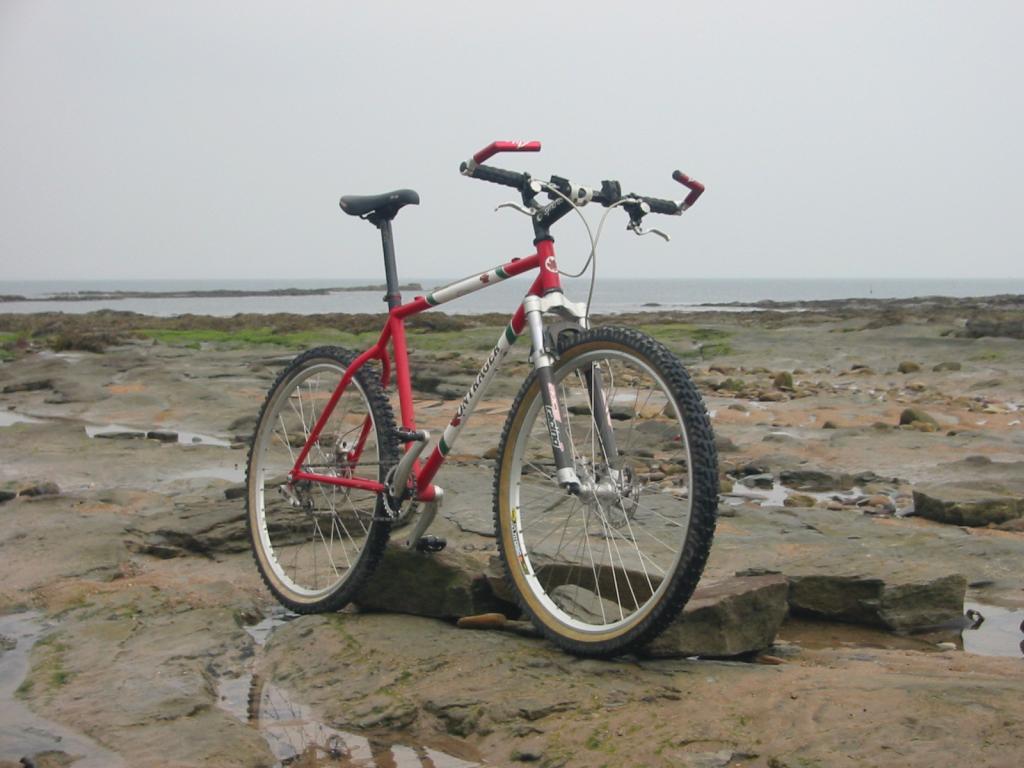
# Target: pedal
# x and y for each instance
(431, 544)
(411, 435)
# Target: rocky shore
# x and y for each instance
(872, 512)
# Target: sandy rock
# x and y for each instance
(7, 496)
(975, 503)
(725, 445)
(446, 585)
(494, 572)
(33, 385)
(41, 489)
(881, 502)
(783, 380)
(51, 758)
(764, 480)
(799, 500)
(202, 527)
(120, 435)
(815, 480)
(897, 605)
(908, 366)
(912, 415)
(729, 618)
(733, 385)
(977, 328)
(752, 468)
(236, 492)
(947, 366)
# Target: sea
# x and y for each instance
(611, 295)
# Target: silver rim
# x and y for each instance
(599, 562)
(313, 538)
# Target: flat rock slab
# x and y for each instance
(727, 618)
(203, 527)
(444, 585)
(815, 480)
(973, 503)
(899, 606)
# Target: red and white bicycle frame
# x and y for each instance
(544, 294)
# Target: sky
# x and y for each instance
(213, 139)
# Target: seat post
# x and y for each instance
(393, 297)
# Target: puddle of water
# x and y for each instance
(23, 733)
(778, 493)
(196, 438)
(231, 474)
(184, 438)
(297, 737)
(7, 418)
(68, 357)
(1000, 634)
(809, 633)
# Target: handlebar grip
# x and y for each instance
(695, 187)
(501, 176)
(505, 146)
(667, 207)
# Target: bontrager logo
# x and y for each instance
(464, 405)
(553, 433)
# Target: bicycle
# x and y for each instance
(606, 484)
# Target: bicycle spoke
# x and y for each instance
(327, 549)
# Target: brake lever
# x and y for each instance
(636, 229)
(515, 207)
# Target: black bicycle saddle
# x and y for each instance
(379, 207)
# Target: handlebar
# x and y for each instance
(609, 194)
(695, 187)
(512, 179)
(505, 146)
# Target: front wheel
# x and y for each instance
(604, 571)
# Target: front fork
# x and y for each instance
(555, 413)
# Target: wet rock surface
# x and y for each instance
(729, 618)
(140, 573)
(974, 504)
(196, 525)
(900, 606)
(445, 585)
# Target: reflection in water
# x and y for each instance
(184, 438)
(231, 474)
(999, 633)
(8, 418)
(23, 733)
(778, 493)
(297, 738)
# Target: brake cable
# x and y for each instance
(594, 239)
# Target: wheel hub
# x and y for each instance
(613, 495)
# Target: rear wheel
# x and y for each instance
(604, 571)
(315, 543)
